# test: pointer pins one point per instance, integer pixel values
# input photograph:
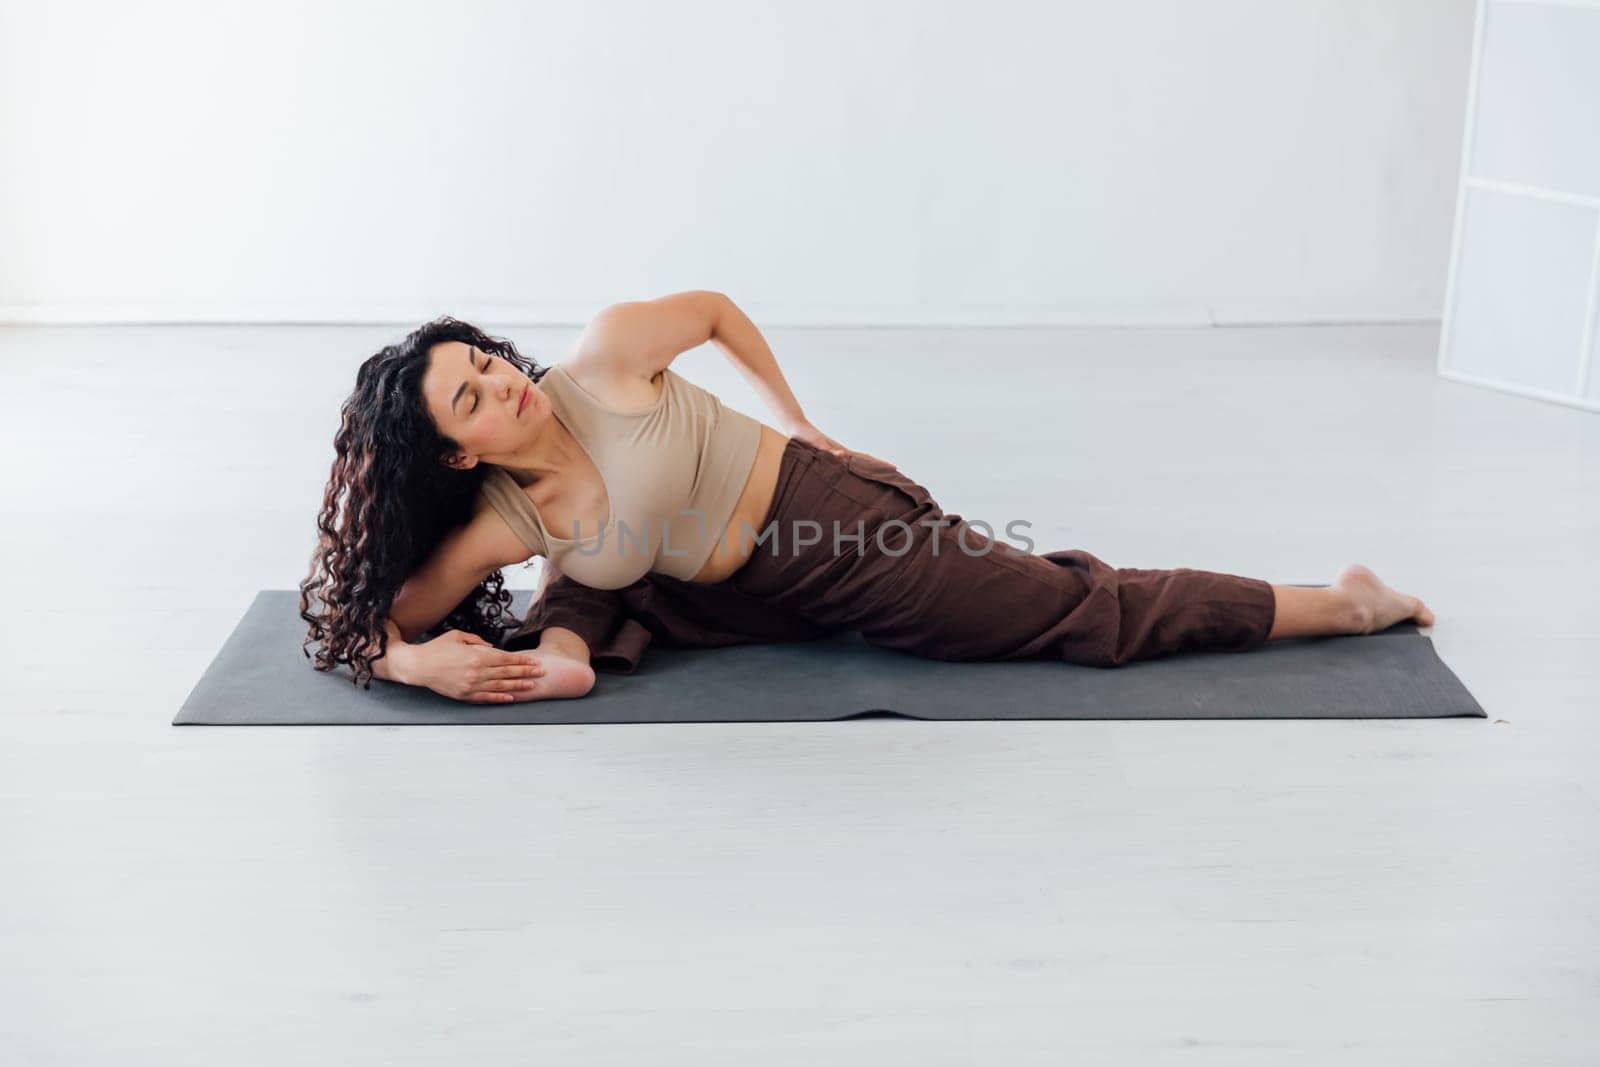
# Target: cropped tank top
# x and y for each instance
(672, 474)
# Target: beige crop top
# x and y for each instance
(687, 452)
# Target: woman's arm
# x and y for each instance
(462, 559)
(744, 346)
(397, 663)
(746, 349)
(462, 665)
(641, 338)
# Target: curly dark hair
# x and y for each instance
(399, 500)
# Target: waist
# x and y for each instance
(752, 509)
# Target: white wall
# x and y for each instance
(832, 161)
(1523, 310)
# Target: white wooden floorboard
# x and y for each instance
(874, 892)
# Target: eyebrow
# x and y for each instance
(463, 386)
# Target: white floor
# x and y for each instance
(869, 892)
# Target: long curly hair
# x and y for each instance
(390, 500)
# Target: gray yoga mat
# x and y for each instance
(261, 677)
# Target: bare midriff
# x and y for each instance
(744, 523)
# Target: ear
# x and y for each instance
(460, 461)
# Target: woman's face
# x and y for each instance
(474, 396)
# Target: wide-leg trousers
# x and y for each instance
(852, 543)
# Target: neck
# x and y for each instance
(552, 451)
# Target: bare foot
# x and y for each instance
(1378, 606)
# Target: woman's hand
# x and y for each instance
(463, 666)
(815, 437)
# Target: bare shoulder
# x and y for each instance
(638, 339)
(610, 382)
(487, 541)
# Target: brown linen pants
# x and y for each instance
(851, 543)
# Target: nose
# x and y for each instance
(514, 387)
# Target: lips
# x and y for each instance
(522, 402)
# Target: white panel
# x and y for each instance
(1538, 117)
(1522, 289)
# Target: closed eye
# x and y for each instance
(487, 360)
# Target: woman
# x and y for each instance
(696, 526)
